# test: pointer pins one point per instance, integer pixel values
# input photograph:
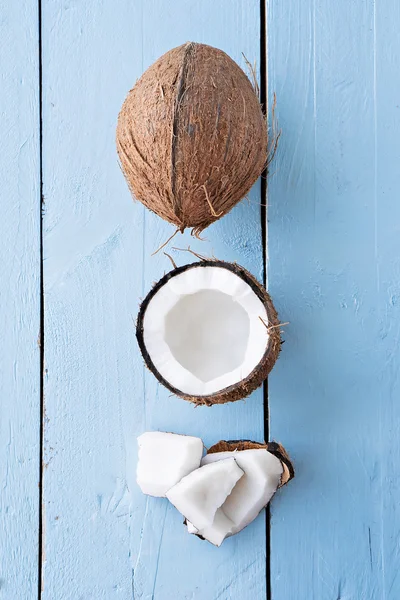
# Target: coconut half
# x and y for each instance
(164, 458)
(209, 332)
(199, 495)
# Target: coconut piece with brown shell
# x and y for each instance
(209, 332)
(266, 468)
(272, 447)
(191, 136)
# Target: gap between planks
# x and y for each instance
(41, 544)
(264, 234)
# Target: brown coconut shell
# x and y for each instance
(273, 447)
(191, 136)
(245, 387)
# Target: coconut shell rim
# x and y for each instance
(272, 349)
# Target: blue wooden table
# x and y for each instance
(76, 259)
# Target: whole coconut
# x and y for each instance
(191, 136)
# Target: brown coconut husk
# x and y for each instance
(191, 136)
(273, 447)
(245, 387)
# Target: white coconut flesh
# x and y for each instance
(204, 330)
(199, 495)
(215, 533)
(261, 479)
(164, 459)
(191, 528)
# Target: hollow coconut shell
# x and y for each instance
(191, 136)
(273, 447)
(246, 386)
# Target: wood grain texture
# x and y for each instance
(334, 266)
(19, 301)
(103, 538)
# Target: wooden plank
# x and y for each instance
(19, 301)
(334, 267)
(103, 538)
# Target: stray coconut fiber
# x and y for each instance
(224, 494)
(209, 332)
(191, 136)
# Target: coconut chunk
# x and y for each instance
(164, 458)
(191, 528)
(198, 495)
(261, 479)
(220, 528)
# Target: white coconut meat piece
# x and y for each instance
(220, 528)
(198, 495)
(191, 528)
(261, 479)
(164, 458)
(205, 329)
